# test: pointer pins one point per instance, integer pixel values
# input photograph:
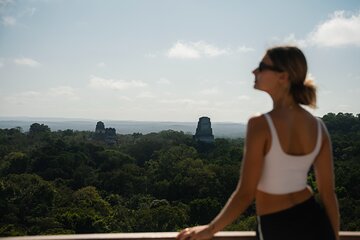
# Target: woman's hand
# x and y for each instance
(195, 233)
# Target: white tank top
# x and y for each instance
(284, 173)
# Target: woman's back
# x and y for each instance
(296, 131)
(292, 143)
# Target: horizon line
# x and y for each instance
(56, 119)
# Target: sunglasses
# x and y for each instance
(263, 66)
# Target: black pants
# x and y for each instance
(305, 221)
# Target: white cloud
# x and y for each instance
(101, 64)
(210, 91)
(182, 50)
(325, 92)
(354, 90)
(163, 81)
(4, 3)
(184, 101)
(125, 98)
(353, 76)
(339, 30)
(244, 49)
(27, 62)
(151, 55)
(23, 97)
(26, 97)
(98, 82)
(8, 21)
(29, 94)
(194, 50)
(146, 95)
(63, 91)
(292, 40)
(209, 50)
(29, 12)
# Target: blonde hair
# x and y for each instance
(292, 60)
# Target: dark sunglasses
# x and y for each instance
(263, 66)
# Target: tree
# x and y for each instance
(202, 211)
(25, 197)
(16, 162)
(64, 182)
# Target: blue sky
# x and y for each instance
(165, 60)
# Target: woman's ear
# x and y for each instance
(284, 78)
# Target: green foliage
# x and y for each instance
(202, 211)
(244, 223)
(64, 182)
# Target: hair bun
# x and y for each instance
(304, 93)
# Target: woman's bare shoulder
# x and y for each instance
(258, 135)
(257, 120)
(257, 124)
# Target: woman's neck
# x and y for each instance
(284, 103)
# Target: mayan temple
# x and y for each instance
(107, 135)
(204, 131)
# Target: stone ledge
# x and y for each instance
(226, 235)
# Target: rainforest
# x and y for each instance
(69, 182)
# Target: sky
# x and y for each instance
(167, 60)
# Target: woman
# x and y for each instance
(280, 148)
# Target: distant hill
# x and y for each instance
(220, 129)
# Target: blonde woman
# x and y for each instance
(280, 148)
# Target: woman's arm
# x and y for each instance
(324, 172)
(244, 193)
